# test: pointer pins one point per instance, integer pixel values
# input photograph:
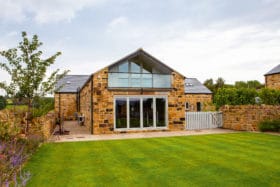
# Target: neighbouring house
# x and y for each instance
(136, 93)
(272, 78)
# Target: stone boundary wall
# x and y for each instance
(46, 124)
(247, 117)
(42, 126)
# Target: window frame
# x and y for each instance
(141, 112)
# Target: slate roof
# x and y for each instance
(70, 83)
(275, 70)
(193, 86)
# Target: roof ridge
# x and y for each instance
(274, 70)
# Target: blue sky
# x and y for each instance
(233, 39)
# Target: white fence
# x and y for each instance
(203, 120)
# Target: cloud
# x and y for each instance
(43, 11)
(222, 49)
(11, 10)
(239, 53)
(117, 23)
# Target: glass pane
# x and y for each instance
(135, 80)
(134, 112)
(147, 80)
(134, 68)
(160, 112)
(113, 79)
(121, 120)
(162, 81)
(147, 112)
(123, 67)
(123, 80)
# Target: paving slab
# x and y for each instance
(75, 137)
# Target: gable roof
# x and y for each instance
(193, 86)
(275, 70)
(70, 83)
(141, 53)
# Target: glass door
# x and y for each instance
(120, 113)
(160, 112)
(148, 112)
(134, 113)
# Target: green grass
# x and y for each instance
(17, 107)
(243, 159)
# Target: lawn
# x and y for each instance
(241, 159)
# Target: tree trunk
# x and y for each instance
(28, 115)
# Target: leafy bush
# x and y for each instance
(234, 96)
(42, 106)
(270, 125)
(244, 96)
(270, 96)
(8, 130)
(3, 102)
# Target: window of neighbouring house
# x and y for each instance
(140, 112)
(187, 105)
(198, 106)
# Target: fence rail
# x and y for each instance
(203, 120)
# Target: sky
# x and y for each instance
(233, 39)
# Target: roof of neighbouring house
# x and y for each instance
(193, 86)
(275, 70)
(70, 83)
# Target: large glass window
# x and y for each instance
(142, 112)
(148, 112)
(121, 112)
(137, 75)
(123, 67)
(135, 68)
(160, 112)
(134, 112)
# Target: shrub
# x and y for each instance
(234, 96)
(270, 125)
(3, 102)
(245, 96)
(270, 96)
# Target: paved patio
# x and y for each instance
(81, 133)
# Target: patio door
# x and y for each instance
(134, 112)
(140, 112)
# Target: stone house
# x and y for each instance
(272, 78)
(136, 93)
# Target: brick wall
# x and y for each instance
(68, 105)
(247, 117)
(273, 81)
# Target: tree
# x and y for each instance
(3, 102)
(249, 84)
(209, 83)
(28, 70)
(220, 83)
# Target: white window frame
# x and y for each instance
(154, 97)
